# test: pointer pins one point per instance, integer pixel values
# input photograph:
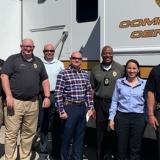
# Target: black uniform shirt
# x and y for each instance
(25, 77)
(153, 82)
(1, 64)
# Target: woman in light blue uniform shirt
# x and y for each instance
(126, 114)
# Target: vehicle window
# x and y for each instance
(86, 10)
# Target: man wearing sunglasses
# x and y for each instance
(73, 100)
(49, 117)
(21, 76)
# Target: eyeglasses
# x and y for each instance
(28, 47)
(76, 58)
(47, 50)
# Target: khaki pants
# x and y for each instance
(22, 119)
(1, 112)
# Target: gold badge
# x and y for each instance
(114, 73)
(35, 65)
(158, 2)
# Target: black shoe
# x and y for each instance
(109, 157)
(43, 156)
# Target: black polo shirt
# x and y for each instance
(1, 64)
(153, 82)
(25, 77)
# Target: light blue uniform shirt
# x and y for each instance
(53, 68)
(127, 99)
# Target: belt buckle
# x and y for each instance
(79, 102)
(76, 102)
(66, 103)
(34, 99)
(72, 102)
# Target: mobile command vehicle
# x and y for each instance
(131, 27)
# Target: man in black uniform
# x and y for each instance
(21, 77)
(1, 96)
(153, 102)
(103, 78)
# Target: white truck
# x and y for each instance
(131, 27)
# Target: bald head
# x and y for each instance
(27, 47)
(76, 54)
(76, 59)
(49, 45)
(107, 47)
(107, 55)
(27, 41)
(49, 51)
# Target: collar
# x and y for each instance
(49, 62)
(29, 61)
(75, 69)
(124, 81)
(107, 68)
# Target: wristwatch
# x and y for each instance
(47, 97)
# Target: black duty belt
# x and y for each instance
(103, 99)
(52, 92)
(27, 99)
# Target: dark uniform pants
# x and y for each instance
(158, 134)
(73, 132)
(1, 112)
(106, 140)
(50, 121)
(130, 128)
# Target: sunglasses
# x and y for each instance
(47, 50)
(76, 58)
(28, 46)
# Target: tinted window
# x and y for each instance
(87, 10)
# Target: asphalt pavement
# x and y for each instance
(149, 148)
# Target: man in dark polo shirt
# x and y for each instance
(103, 78)
(1, 96)
(153, 102)
(21, 77)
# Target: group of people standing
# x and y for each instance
(124, 103)
(64, 97)
(115, 95)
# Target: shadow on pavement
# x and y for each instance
(149, 146)
(1, 150)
